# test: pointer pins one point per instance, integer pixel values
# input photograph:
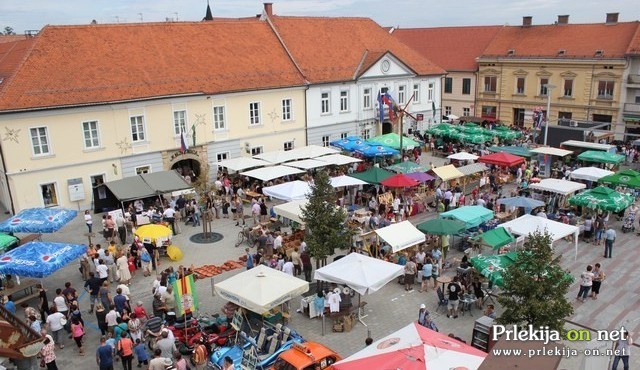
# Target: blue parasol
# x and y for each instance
(38, 220)
(376, 150)
(349, 145)
(527, 203)
(39, 259)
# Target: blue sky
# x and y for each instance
(34, 14)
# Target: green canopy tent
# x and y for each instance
(472, 216)
(601, 157)
(515, 150)
(602, 198)
(495, 238)
(374, 175)
(441, 226)
(7, 241)
(474, 138)
(628, 178)
(392, 140)
(407, 167)
(441, 129)
(493, 266)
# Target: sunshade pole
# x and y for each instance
(360, 315)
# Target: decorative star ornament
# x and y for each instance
(124, 145)
(273, 115)
(201, 119)
(12, 135)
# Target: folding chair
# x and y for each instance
(442, 301)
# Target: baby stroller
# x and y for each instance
(627, 226)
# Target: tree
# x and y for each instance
(8, 31)
(324, 222)
(535, 287)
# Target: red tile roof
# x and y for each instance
(452, 48)
(634, 46)
(72, 65)
(332, 49)
(12, 38)
(578, 40)
(11, 55)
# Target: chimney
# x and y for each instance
(526, 21)
(612, 18)
(268, 9)
(563, 19)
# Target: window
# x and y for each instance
(638, 99)
(568, 88)
(430, 92)
(366, 134)
(344, 101)
(286, 110)
(218, 118)
(490, 83)
(137, 128)
(344, 135)
(179, 121)
(543, 86)
(49, 195)
(40, 141)
(448, 85)
(605, 89)
(402, 94)
(325, 107)
(325, 141)
(254, 113)
(366, 98)
(288, 145)
(488, 111)
(466, 86)
(520, 85)
(143, 169)
(564, 117)
(91, 137)
(466, 112)
(416, 93)
(222, 156)
(256, 150)
(447, 110)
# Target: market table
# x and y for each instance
(252, 194)
(25, 291)
(444, 280)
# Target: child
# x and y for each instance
(141, 353)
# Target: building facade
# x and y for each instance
(631, 90)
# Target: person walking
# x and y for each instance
(77, 330)
(43, 303)
(598, 277)
(125, 349)
(88, 220)
(307, 267)
(410, 269)
(48, 353)
(249, 258)
(104, 355)
(55, 323)
(427, 273)
(101, 317)
(609, 238)
(297, 263)
(585, 284)
(122, 264)
(455, 291)
(599, 229)
(622, 352)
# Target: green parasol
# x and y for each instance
(440, 226)
(628, 178)
(493, 266)
(475, 138)
(602, 198)
(7, 241)
(407, 167)
(392, 140)
(515, 150)
(374, 175)
(601, 157)
(496, 238)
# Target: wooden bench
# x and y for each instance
(29, 238)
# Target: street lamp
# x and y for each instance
(549, 88)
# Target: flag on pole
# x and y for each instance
(186, 295)
(381, 106)
(388, 100)
(184, 146)
(433, 108)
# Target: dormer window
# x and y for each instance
(511, 52)
(599, 53)
(561, 52)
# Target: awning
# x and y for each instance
(291, 210)
(312, 151)
(472, 216)
(551, 151)
(448, 172)
(601, 157)
(631, 118)
(277, 156)
(590, 173)
(338, 159)
(270, 173)
(563, 187)
(242, 163)
(292, 190)
(165, 181)
(345, 180)
(496, 238)
(528, 224)
(307, 164)
(473, 168)
(130, 188)
(401, 235)
(515, 150)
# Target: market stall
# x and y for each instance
(492, 266)
(501, 159)
(463, 156)
(338, 159)
(521, 202)
(7, 242)
(291, 210)
(414, 347)
(546, 157)
(519, 151)
(602, 198)
(589, 174)
(273, 172)
(406, 167)
(472, 172)
(528, 224)
(374, 175)
(349, 145)
(625, 178)
(241, 163)
(261, 289)
(559, 191)
(372, 151)
(448, 173)
(399, 181)
(472, 216)
(292, 190)
(344, 180)
(597, 156)
(307, 164)
(277, 156)
(496, 238)
(392, 140)
(401, 235)
(312, 151)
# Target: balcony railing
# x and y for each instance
(631, 107)
(634, 79)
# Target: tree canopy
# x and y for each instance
(535, 287)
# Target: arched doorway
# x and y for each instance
(188, 167)
(387, 127)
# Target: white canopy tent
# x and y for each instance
(551, 151)
(277, 156)
(344, 180)
(241, 163)
(338, 159)
(590, 173)
(528, 224)
(463, 156)
(361, 273)
(292, 190)
(401, 235)
(562, 187)
(291, 210)
(270, 173)
(312, 151)
(261, 288)
(307, 164)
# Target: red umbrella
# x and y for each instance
(399, 181)
(501, 159)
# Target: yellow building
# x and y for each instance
(80, 105)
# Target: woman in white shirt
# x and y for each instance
(88, 220)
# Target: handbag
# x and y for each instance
(63, 321)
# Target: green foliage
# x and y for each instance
(8, 31)
(535, 286)
(324, 222)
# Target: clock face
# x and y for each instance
(385, 66)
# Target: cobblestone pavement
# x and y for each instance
(388, 309)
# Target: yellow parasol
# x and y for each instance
(174, 253)
(153, 232)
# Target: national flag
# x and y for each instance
(381, 106)
(388, 100)
(433, 108)
(186, 295)
(184, 146)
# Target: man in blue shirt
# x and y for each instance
(9, 305)
(120, 301)
(609, 238)
(249, 259)
(104, 355)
